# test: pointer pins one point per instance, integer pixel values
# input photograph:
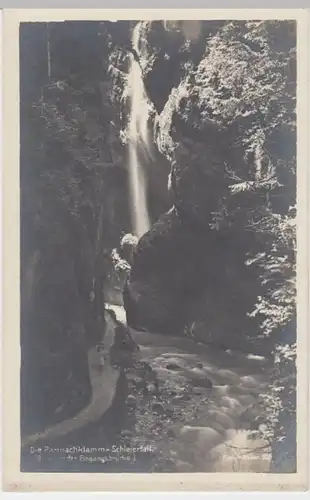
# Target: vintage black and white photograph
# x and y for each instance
(158, 246)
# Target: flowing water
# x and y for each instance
(211, 423)
(198, 419)
(139, 140)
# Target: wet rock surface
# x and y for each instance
(189, 427)
(178, 404)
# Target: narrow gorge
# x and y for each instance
(158, 211)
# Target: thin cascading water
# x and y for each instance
(139, 144)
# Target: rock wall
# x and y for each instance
(189, 272)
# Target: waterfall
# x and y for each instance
(139, 140)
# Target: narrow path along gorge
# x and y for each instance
(103, 378)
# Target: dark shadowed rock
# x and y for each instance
(201, 382)
(182, 278)
(166, 271)
(158, 408)
(173, 366)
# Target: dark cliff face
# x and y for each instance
(201, 287)
(74, 205)
(171, 48)
(221, 128)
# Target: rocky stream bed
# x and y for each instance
(171, 405)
